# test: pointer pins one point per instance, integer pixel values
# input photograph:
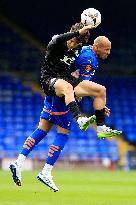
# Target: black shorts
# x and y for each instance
(48, 85)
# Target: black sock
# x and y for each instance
(73, 107)
(100, 117)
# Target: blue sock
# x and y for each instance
(56, 148)
(33, 140)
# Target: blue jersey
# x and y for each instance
(86, 63)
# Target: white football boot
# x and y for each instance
(48, 181)
(85, 122)
(16, 173)
(105, 132)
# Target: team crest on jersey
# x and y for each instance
(68, 60)
(88, 68)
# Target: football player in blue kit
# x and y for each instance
(87, 64)
(54, 112)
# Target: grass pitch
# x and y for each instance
(76, 188)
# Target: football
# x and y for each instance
(91, 16)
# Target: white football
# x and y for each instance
(91, 16)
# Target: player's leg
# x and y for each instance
(63, 88)
(55, 150)
(86, 107)
(88, 88)
(64, 123)
(29, 144)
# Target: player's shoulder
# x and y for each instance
(55, 37)
(53, 40)
(86, 51)
(85, 48)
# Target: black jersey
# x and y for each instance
(58, 58)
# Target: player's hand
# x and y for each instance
(107, 111)
(85, 29)
(75, 74)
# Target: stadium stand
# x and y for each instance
(20, 111)
(17, 53)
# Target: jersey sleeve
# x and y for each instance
(85, 71)
(65, 37)
(84, 66)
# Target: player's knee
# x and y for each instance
(44, 125)
(103, 91)
(68, 89)
(63, 88)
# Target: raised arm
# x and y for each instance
(67, 36)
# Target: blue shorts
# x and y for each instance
(64, 121)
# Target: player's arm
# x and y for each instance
(67, 36)
(85, 71)
(75, 74)
(83, 74)
(85, 68)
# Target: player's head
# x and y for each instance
(102, 47)
(74, 42)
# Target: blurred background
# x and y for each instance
(25, 29)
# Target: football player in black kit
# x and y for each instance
(56, 72)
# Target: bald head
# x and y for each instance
(101, 41)
(102, 47)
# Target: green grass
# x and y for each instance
(76, 188)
